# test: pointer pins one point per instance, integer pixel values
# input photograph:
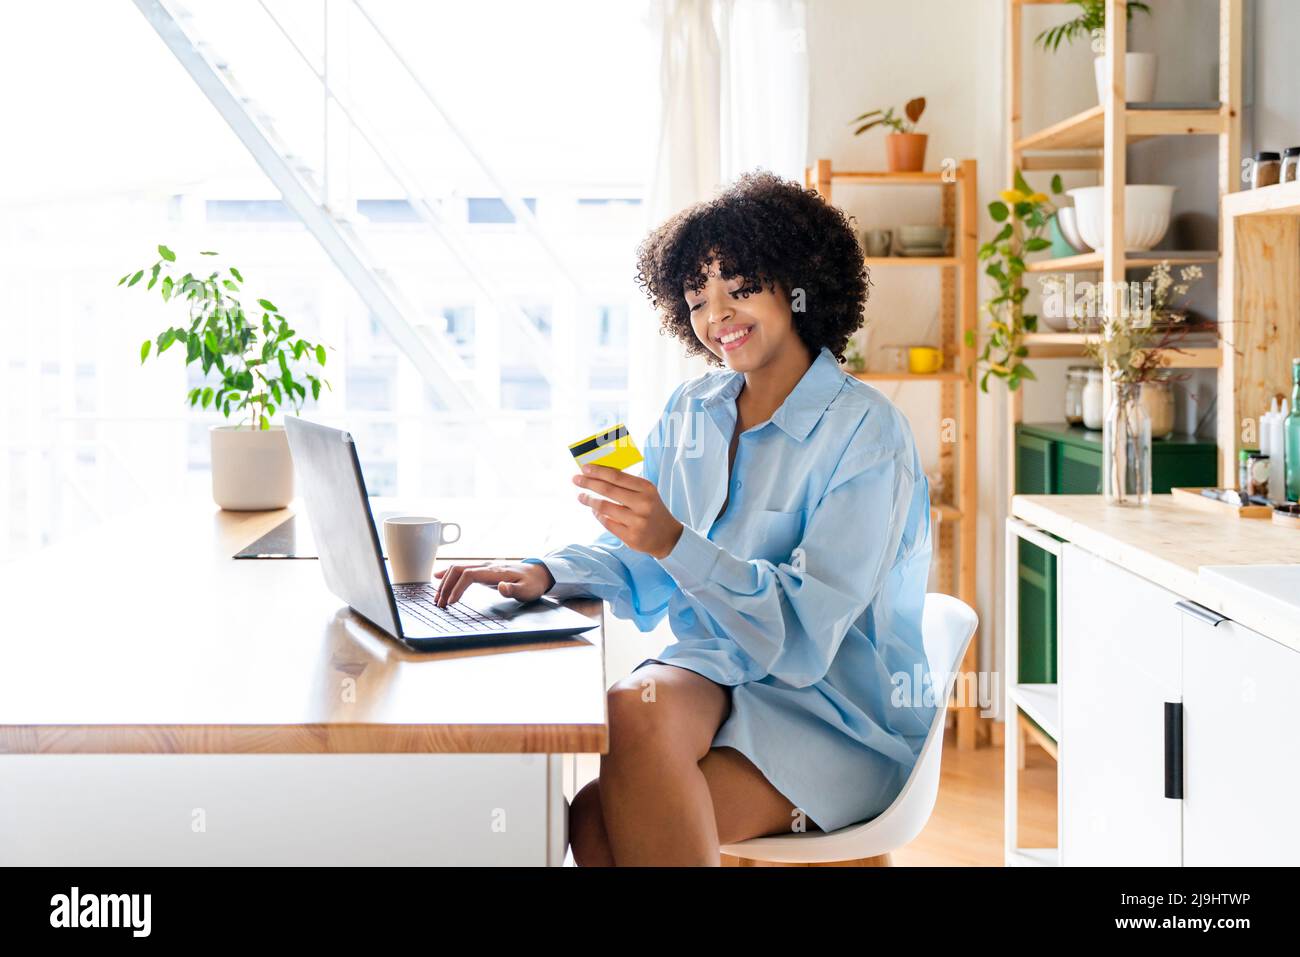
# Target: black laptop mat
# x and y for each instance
(290, 539)
(286, 540)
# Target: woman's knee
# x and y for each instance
(587, 836)
(665, 709)
(630, 704)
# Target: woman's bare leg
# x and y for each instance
(745, 804)
(655, 801)
(587, 836)
(665, 796)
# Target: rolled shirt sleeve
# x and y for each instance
(791, 617)
(636, 587)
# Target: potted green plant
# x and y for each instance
(1139, 68)
(904, 147)
(255, 364)
(1024, 214)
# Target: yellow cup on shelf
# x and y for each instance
(924, 360)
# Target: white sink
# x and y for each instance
(1262, 593)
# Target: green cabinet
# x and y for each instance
(1060, 459)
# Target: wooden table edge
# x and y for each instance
(330, 738)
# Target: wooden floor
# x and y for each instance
(966, 826)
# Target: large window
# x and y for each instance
(557, 110)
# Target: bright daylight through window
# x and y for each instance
(470, 261)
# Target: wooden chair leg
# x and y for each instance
(967, 724)
(880, 860)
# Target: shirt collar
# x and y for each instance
(803, 407)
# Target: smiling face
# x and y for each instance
(743, 326)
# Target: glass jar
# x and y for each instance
(1290, 159)
(1076, 377)
(1126, 448)
(1094, 401)
(1158, 398)
(1266, 171)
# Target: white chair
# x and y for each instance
(946, 630)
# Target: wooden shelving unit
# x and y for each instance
(1096, 139)
(1259, 307)
(1087, 130)
(957, 313)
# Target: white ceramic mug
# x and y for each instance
(412, 542)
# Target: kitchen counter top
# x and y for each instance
(1230, 565)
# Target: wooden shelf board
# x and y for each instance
(1070, 345)
(882, 178)
(1087, 159)
(1081, 131)
(1085, 130)
(1192, 121)
(1280, 200)
(1093, 260)
(944, 376)
(913, 261)
(949, 513)
(1054, 345)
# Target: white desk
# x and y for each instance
(166, 704)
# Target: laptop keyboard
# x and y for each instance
(459, 618)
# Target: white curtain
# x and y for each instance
(734, 97)
(764, 87)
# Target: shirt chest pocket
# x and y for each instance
(773, 535)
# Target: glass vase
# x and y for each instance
(1126, 448)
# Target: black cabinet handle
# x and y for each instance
(1174, 750)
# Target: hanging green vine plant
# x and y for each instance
(1004, 351)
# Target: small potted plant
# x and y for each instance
(1139, 68)
(904, 147)
(1024, 214)
(255, 365)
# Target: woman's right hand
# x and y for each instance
(522, 581)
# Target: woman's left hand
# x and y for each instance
(637, 516)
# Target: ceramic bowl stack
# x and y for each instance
(922, 241)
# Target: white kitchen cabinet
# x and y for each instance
(1119, 662)
(1241, 750)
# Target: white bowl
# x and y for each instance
(923, 236)
(1146, 215)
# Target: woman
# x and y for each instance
(782, 523)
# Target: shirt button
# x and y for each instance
(738, 483)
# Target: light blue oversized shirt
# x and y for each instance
(805, 597)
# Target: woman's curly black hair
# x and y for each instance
(769, 232)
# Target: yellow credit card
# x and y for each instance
(613, 447)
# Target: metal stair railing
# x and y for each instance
(441, 366)
(387, 157)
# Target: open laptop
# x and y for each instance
(353, 563)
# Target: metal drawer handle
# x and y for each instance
(1212, 618)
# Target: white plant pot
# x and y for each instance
(1146, 215)
(252, 469)
(1139, 77)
